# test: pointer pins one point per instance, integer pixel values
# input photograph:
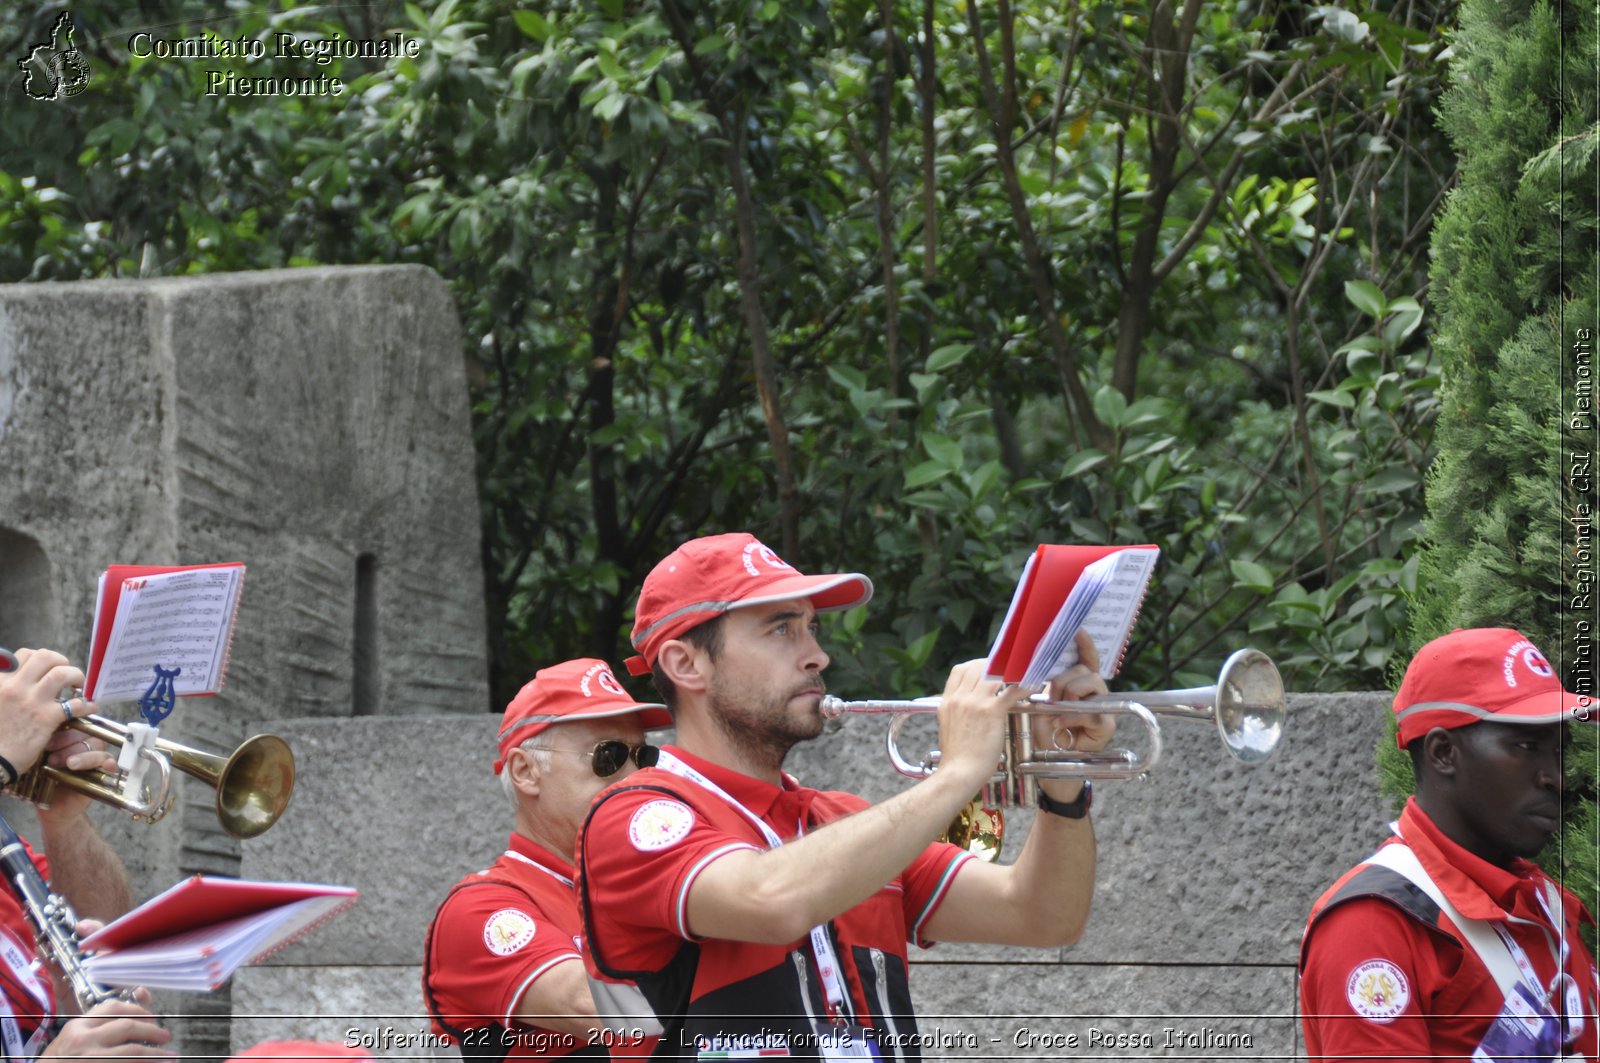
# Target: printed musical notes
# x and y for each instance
(174, 617)
(1062, 589)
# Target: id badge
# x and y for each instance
(849, 1041)
(1523, 1030)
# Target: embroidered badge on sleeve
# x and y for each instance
(1378, 991)
(659, 825)
(507, 931)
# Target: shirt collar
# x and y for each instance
(531, 850)
(1478, 889)
(757, 795)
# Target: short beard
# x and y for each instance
(763, 734)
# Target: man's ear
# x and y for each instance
(523, 767)
(683, 664)
(1440, 752)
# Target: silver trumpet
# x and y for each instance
(1246, 704)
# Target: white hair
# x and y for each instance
(538, 748)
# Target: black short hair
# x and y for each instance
(706, 636)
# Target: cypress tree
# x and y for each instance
(1513, 287)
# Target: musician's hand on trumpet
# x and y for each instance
(37, 699)
(1086, 733)
(972, 723)
(74, 751)
(32, 708)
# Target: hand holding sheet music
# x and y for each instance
(1063, 589)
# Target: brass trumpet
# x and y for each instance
(1246, 704)
(253, 784)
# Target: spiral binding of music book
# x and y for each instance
(1065, 588)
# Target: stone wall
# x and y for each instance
(1206, 871)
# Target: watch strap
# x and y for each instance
(1074, 809)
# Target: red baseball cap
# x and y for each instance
(1473, 675)
(706, 577)
(581, 689)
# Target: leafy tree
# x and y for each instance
(1514, 281)
(907, 287)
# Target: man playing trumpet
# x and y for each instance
(757, 915)
(78, 862)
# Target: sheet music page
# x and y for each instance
(1058, 651)
(174, 620)
(1112, 617)
(1105, 603)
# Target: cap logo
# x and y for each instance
(759, 551)
(600, 675)
(1378, 991)
(1532, 660)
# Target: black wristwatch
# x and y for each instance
(1075, 809)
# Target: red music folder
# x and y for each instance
(174, 616)
(1064, 588)
(196, 934)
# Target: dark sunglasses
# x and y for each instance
(609, 756)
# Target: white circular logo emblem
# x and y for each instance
(601, 675)
(507, 931)
(1378, 991)
(754, 552)
(659, 825)
(1537, 664)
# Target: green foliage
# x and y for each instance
(1095, 274)
(1514, 278)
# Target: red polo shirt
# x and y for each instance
(1379, 982)
(22, 987)
(645, 842)
(494, 935)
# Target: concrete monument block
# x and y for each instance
(311, 423)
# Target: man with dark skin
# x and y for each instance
(1448, 943)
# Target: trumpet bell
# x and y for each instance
(979, 828)
(253, 786)
(1250, 705)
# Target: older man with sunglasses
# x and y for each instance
(503, 974)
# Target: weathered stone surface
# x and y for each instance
(296, 420)
(400, 809)
(376, 1008)
(313, 424)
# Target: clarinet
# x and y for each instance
(54, 922)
